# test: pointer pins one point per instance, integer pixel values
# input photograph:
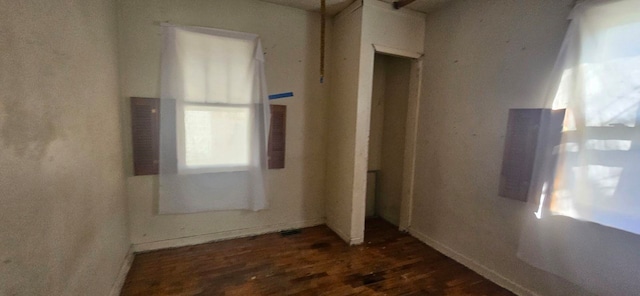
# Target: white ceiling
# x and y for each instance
(335, 6)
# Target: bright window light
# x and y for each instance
(216, 138)
(598, 164)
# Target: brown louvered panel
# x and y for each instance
(277, 136)
(145, 130)
(519, 153)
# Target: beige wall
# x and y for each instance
(393, 137)
(357, 29)
(403, 32)
(377, 112)
(375, 131)
(481, 59)
(63, 209)
(291, 41)
(387, 134)
(340, 121)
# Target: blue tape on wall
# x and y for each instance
(280, 96)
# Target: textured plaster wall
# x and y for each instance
(291, 42)
(375, 132)
(341, 110)
(401, 30)
(393, 137)
(357, 29)
(377, 112)
(63, 215)
(387, 134)
(481, 59)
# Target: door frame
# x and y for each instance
(411, 129)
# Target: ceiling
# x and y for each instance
(335, 6)
(423, 5)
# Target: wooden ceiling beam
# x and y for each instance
(401, 3)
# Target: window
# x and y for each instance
(213, 132)
(215, 102)
(216, 138)
(598, 160)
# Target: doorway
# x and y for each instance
(387, 137)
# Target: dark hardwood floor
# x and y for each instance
(312, 262)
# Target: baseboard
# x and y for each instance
(472, 264)
(344, 237)
(337, 231)
(356, 241)
(122, 274)
(223, 235)
(199, 239)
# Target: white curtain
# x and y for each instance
(214, 120)
(592, 175)
(588, 167)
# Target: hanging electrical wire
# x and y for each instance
(323, 12)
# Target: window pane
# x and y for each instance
(215, 69)
(596, 176)
(216, 136)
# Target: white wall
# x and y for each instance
(377, 112)
(291, 41)
(364, 24)
(341, 111)
(403, 31)
(375, 132)
(481, 59)
(390, 96)
(63, 206)
(396, 97)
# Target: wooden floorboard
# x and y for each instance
(312, 262)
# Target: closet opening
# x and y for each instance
(387, 137)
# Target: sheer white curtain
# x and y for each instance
(587, 168)
(214, 120)
(593, 174)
